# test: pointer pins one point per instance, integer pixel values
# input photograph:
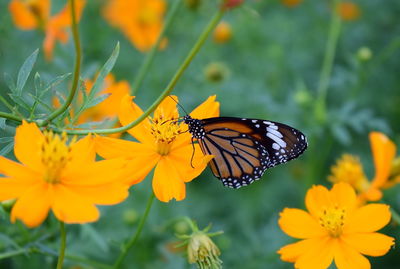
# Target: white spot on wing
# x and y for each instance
(277, 139)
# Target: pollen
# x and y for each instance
(333, 219)
(349, 169)
(55, 154)
(165, 130)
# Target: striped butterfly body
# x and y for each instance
(244, 149)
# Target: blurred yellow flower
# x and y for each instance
(349, 169)
(58, 176)
(163, 143)
(335, 229)
(291, 3)
(141, 21)
(222, 33)
(348, 11)
(35, 14)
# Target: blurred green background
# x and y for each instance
(274, 62)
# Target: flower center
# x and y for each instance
(349, 169)
(54, 155)
(147, 16)
(332, 219)
(164, 131)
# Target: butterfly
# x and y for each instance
(244, 149)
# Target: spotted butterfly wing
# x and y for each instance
(244, 149)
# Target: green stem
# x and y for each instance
(395, 216)
(10, 116)
(62, 246)
(77, 68)
(330, 51)
(200, 41)
(12, 253)
(7, 104)
(135, 237)
(150, 56)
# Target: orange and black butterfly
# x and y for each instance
(244, 149)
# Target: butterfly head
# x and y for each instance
(195, 127)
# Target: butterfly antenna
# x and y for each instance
(178, 104)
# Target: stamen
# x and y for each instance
(164, 131)
(333, 219)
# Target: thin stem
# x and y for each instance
(135, 237)
(12, 253)
(330, 51)
(150, 56)
(77, 68)
(62, 246)
(7, 104)
(10, 116)
(199, 43)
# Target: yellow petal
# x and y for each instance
(70, 207)
(291, 252)
(22, 16)
(371, 244)
(33, 206)
(317, 198)
(343, 195)
(82, 152)
(208, 109)
(167, 108)
(129, 112)
(368, 218)
(11, 188)
(18, 171)
(106, 194)
(109, 148)
(182, 160)
(383, 151)
(167, 183)
(138, 168)
(299, 224)
(319, 254)
(63, 18)
(28, 139)
(347, 257)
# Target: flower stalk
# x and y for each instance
(62, 246)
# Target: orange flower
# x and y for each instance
(109, 107)
(335, 229)
(163, 143)
(291, 3)
(140, 21)
(35, 14)
(349, 169)
(348, 11)
(222, 33)
(57, 176)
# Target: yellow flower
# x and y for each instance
(335, 229)
(58, 176)
(222, 33)
(163, 143)
(35, 14)
(349, 169)
(140, 21)
(348, 11)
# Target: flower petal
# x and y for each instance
(33, 206)
(83, 151)
(291, 252)
(319, 255)
(28, 139)
(371, 244)
(368, 218)
(22, 15)
(109, 148)
(348, 257)
(167, 108)
(167, 183)
(137, 169)
(70, 207)
(208, 109)
(317, 198)
(17, 170)
(11, 188)
(106, 194)
(130, 111)
(343, 195)
(299, 224)
(182, 160)
(383, 151)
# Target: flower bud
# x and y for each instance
(216, 72)
(364, 54)
(202, 250)
(222, 33)
(229, 4)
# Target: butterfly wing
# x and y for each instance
(244, 148)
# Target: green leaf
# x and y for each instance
(89, 232)
(6, 139)
(6, 149)
(3, 123)
(98, 84)
(38, 83)
(25, 70)
(56, 81)
(97, 100)
(9, 81)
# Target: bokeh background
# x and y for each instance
(269, 69)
